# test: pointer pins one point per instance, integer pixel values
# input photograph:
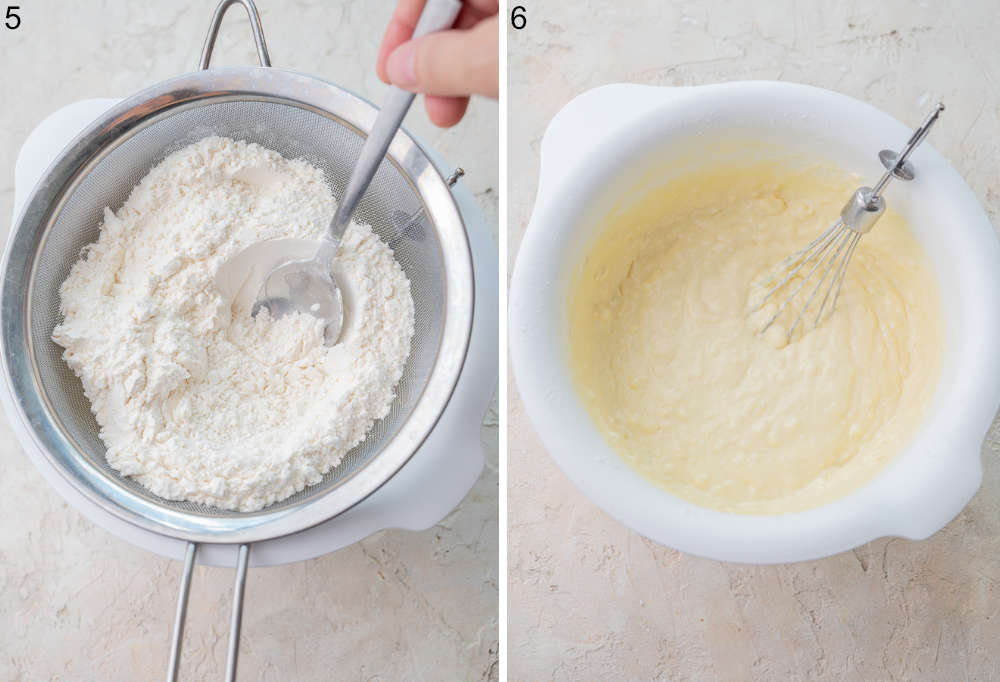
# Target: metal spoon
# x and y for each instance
(309, 285)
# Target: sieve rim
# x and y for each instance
(114, 128)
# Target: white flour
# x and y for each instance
(201, 403)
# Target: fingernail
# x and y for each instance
(401, 66)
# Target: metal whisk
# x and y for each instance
(831, 252)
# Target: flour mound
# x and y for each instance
(200, 402)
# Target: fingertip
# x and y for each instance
(401, 65)
(445, 112)
(396, 34)
(383, 53)
(380, 71)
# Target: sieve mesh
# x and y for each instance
(295, 131)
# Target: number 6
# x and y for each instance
(518, 17)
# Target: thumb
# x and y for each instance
(451, 63)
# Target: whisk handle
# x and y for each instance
(915, 139)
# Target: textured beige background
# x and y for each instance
(77, 603)
(591, 600)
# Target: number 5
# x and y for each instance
(12, 17)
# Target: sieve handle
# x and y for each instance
(182, 602)
(236, 620)
(437, 15)
(213, 32)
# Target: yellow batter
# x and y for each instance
(669, 363)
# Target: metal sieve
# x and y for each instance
(409, 205)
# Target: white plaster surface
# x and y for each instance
(76, 603)
(591, 600)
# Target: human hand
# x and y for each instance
(446, 66)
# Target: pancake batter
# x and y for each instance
(666, 354)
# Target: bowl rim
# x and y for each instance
(893, 502)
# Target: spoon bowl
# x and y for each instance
(307, 287)
(258, 277)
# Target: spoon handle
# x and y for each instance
(437, 15)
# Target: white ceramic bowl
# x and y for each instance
(603, 145)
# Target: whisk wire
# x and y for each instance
(791, 265)
(789, 262)
(838, 279)
(842, 239)
(835, 247)
(847, 260)
(808, 255)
